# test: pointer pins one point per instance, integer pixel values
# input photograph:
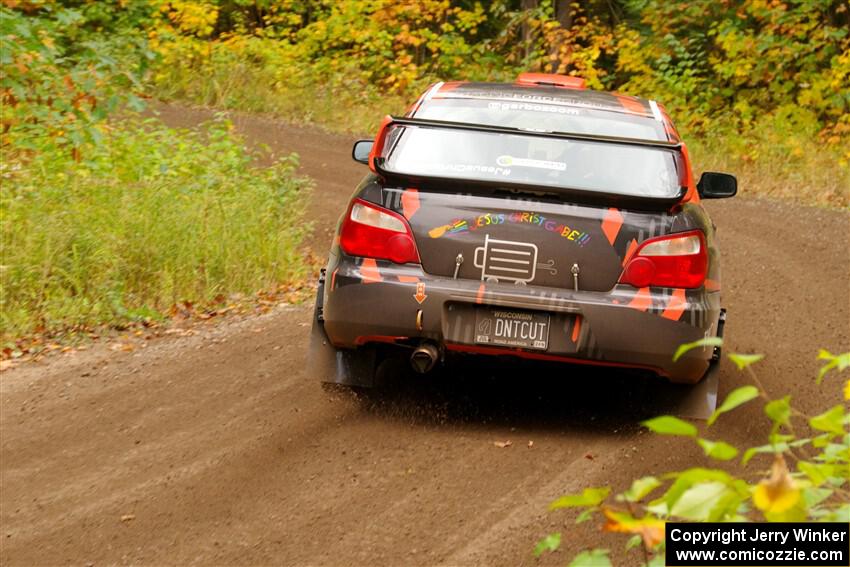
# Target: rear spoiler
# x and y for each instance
(376, 163)
(393, 121)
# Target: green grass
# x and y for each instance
(264, 79)
(778, 160)
(151, 216)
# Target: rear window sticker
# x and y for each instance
(508, 161)
(470, 167)
(526, 106)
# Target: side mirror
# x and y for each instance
(717, 185)
(360, 151)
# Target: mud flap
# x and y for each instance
(695, 401)
(338, 366)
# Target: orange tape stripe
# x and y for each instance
(576, 329)
(676, 305)
(642, 300)
(629, 251)
(369, 271)
(479, 298)
(611, 223)
(632, 105)
(409, 203)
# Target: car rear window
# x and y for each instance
(606, 167)
(544, 116)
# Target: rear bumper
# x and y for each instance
(369, 301)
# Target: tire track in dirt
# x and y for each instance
(224, 450)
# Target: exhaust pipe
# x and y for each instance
(424, 358)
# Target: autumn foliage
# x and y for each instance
(759, 87)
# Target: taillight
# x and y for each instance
(374, 232)
(675, 260)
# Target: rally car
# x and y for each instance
(538, 220)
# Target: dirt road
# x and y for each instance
(220, 448)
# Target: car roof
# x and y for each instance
(545, 94)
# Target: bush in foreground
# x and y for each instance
(815, 486)
(151, 216)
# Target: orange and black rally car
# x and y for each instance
(537, 220)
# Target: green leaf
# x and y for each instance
(669, 425)
(753, 451)
(841, 513)
(640, 488)
(841, 361)
(686, 479)
(549, 543)
(744, 360)
(633, 542)
(697, 502)
(709, 341)
(592, 558)
(821, 441)
(589, 497)
(719, 450)
(779, 411)
(727, 506)
(816, 473)
(584, 516)
(813, 496)
(829, 421)
(735, 398)
(834, 453)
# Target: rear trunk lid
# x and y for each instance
(524, 241)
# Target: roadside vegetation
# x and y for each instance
(801, 474)
(111, 219)
(150, 218)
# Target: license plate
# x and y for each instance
(513, 328)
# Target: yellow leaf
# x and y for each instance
(778, 493)
(847, 390)
(651, 530)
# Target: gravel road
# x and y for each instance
(221, 448)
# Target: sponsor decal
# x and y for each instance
(507, 161)
(532, 107)
(470, 167)
(512, 96)
(494, 219)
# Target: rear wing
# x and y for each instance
(384, 145)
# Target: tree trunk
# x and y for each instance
(564, 16)
(527, 5)
(563, 13)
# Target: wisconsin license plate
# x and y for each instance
(509, 327)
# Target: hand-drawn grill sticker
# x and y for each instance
(509, 261)
(508, 161)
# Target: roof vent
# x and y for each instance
(550, 80)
